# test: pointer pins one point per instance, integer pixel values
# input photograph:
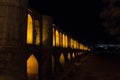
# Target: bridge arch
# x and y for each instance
(62, 59)
(32, 67)
(29, 29)
(68, 56)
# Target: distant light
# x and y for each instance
(62, 59)
(69, 57)
(54, 25)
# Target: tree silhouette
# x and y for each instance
(110, 16)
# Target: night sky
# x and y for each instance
(79, 18)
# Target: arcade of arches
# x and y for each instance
(59, 39)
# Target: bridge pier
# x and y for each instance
(12, 64)
(67, 62)
(45, 64)
(13, 17)
(62, 68)
(57, 65)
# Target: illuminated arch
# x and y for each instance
(73, 55)
(72, 43)
(64, 40)
(57, 38)
(29, 30)
(32, 68)
(53, 37)
(62, 59)
(69, 56)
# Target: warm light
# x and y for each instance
(80, 53)
(81, 46)
(77, 45)
(53, 37)
(69, 57)
(89, 49)
(63, 40)
(29, 30)
(66, 41)
(32, 67)
(72, 43)
(73, 55)
(37, 32)
(57, 38)
(62, 59)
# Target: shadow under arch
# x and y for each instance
(32, 68)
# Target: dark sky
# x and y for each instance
(79, 18)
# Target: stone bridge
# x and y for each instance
(32, 47)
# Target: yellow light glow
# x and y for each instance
(69, 57)
(53, 37)
(29, 30)
(62, 59)
(63, 40)
(80, 53)
(73, 55)
(72, 43)
(37, 32)
(32, 66)
(81, 46)
(57, 38)
(66, 41)
(77, 45)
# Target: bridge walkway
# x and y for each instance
(95, 67)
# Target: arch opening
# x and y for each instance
(62, 59)
(32, 68)
(29, 29)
